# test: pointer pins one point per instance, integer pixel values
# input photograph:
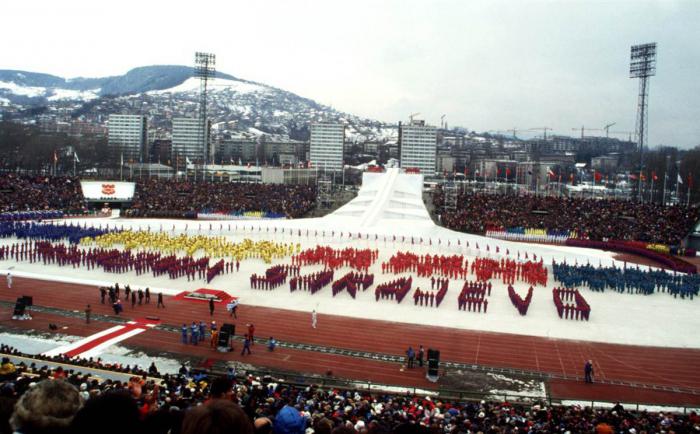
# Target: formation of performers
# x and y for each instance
(352, 281)
(577, 310)
(454, 267)
(358, 259)
(274, 277)
(520, 304)
(31, 215)
(627, 279)
(313, 282)
(394, 290)
(49, 231)
(473, 296)
(433, 297)
(216, 247)
(508, 270)
(115, 261)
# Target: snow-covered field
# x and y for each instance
(384, 209)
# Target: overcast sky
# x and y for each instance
(486, 65)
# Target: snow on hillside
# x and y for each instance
(17, 89)
(215, 85)
(85, 95)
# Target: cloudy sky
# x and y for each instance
(486, 65)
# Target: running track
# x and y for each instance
(649, 366)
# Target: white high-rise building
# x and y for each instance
(418, 145)
(189, 140)
(126, 137)
(326, 145)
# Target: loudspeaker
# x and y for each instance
(19, 307)
(433, 362)
(28, 300)
(225, 333)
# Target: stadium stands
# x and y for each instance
(28, 193)
(171, 403)
(589, 218)
(172, 199)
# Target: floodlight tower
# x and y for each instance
(642, 66)
(204, 69)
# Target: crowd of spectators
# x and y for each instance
(36, 400)
(177, 198)
(596, 219)
(40, 192)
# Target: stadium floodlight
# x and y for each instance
(642, 66)
(204, 69)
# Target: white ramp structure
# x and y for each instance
(386, 198)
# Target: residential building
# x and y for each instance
(418, 146)
(190, 138)
(326, 145)
(126, 137)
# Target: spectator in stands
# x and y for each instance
(217, 417)
(47, 408)
(22, 193)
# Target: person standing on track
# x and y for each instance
(88, 311)
(314, 319)
(211, 307)
(160, 301)
(9, 281)
(588, 371)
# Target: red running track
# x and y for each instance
(670, 367)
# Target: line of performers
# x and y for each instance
(473, 296)
(313, 282)
(351, 282)
(520, 304)
(433, 297)
(394, 290)
(578, 310)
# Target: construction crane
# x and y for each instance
(607, 129)
(412, 115)
(541, 129)
(583, 129)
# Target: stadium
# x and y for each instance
(372, 313)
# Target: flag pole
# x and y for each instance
(665, 182)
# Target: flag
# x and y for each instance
(55, 157)
(571, 178)
(466, 171)
(597, 176)
(690, 181)
(75, 157)
(642, 176)
(550, 172)
(633, 177)
(653, 176)
(507, 172)
(680, 180)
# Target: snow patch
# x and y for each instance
(30, 91)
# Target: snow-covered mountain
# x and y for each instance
(167, 91)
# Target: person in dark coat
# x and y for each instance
(160, 301)
(588, 371)
(211, 307)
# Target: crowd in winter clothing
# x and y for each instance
(173, 198)
(40, 400)
(631, 280)
(596, 219)
(41, 192)
(274, 277)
